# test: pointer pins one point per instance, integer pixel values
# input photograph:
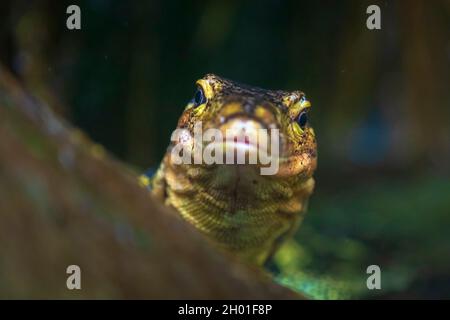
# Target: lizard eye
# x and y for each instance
(199, 97)
(302, 119)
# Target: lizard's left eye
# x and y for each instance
(199, 97)
(302, 119)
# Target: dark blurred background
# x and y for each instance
(380, 100)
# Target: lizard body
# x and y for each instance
(239, 209)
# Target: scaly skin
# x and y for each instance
(241, 210)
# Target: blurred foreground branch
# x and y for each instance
(64, 201)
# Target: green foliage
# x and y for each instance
(402, 227)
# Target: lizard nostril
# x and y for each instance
(249, 108)
(222, 119)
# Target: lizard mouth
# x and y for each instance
(248, 127)
(244, 143)
(249, 137)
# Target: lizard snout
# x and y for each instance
(256, 116)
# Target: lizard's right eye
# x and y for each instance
(199, 97)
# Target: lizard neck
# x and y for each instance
(239, 209)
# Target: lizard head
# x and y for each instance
(253, 121)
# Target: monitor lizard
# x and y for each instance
(239, 209)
